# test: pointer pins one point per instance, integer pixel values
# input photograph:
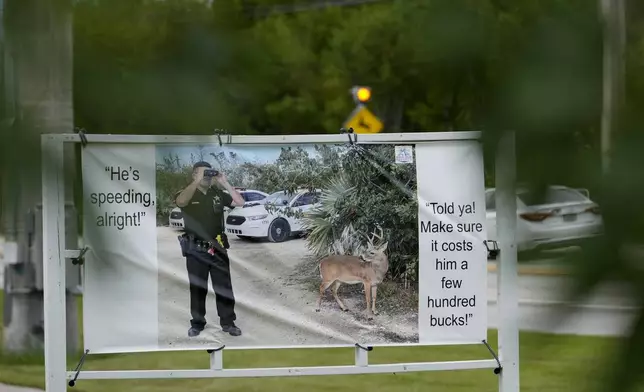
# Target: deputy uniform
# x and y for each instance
(204, 225)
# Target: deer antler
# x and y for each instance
(379, 236)
(369, 240)
(373, 236)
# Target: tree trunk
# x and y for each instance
(40, 36)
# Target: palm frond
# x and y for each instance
(326, 232)
(350, 242)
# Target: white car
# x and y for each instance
(565, 217)
(254, 221)
(251, 196)
(176, 219)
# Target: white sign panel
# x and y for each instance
(452, 254)
(194, 247)
(119, 220)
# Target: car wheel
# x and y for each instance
(279, 231)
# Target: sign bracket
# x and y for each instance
(72, 382)
(82, 135)
(493, 252)
(349, 132)
(80, 258)
(499, 368)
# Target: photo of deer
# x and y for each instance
(368, 269)
(349, 218)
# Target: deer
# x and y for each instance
(368, 268)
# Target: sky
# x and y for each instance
(258, 154)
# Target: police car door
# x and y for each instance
(302, 203)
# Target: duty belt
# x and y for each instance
(203, 245)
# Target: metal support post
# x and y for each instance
(217, 358)
(508, 301)
(53, 197)
(362, 355)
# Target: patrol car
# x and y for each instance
(251, 196)
(255, 221)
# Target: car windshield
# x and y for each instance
(278, 198)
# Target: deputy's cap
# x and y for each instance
(201, 164)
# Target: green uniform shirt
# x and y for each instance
(205, 213)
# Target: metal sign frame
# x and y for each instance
(57, 258)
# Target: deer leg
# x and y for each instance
(374, 289)
(367, 294)
(334, 290)
(323, 287)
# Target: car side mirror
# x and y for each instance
(285, 202)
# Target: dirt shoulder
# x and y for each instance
(274, 289)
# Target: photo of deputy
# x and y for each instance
(204, 245)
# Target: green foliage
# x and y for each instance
(169, 182)
(293, 170)
(178, 66)
(361, 190)
(372, 192)
(168, 67)
(159, 67)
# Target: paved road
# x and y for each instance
(607, 313)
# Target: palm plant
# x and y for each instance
(371, 191)
(330, 228)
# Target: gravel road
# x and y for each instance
(272, 309)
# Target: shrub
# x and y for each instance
(362, 189)
(371, 191)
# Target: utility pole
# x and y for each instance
(38, 48)
(614, 23)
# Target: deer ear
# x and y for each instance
(384, 246)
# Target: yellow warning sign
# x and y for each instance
(363, 121)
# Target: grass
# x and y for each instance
(549, 363)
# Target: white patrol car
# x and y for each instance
(251, 196)
(254, 221)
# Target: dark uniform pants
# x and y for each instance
(200, 266)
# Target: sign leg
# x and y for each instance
(508, 305)
(54, 265)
